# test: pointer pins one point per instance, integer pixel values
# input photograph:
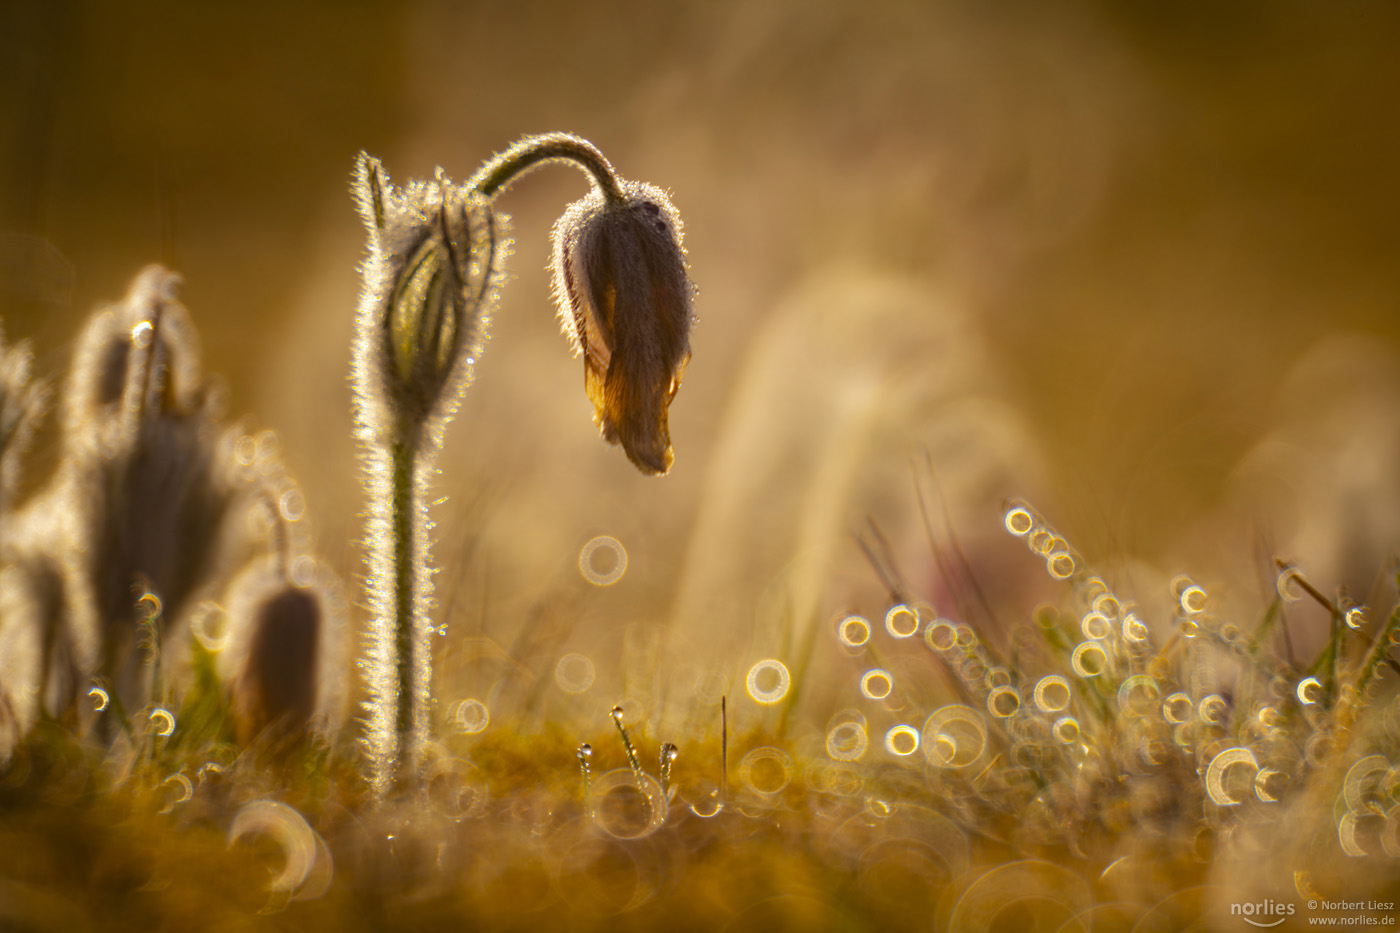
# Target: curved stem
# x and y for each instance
(505, 167)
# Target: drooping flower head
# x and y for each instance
(625, 303)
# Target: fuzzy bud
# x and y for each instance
(625, 302)
(431, 276)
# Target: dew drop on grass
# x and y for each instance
(1095, 625)
(1134, 630)
(626, 804)
(954, 736)
(1108, 605)
(1269, 784)
(1193, 600)
(846, 741)
(768, 681)
(1230, 776)
(876, 684)
(292, 505)
(1138, 695)
(209, 624)
(1177, 708)
(669, 751)
(1003, 702)
(940, 635)
(1019, 521)
(1287, 591)
(603, 561)
(181, 790)
(1212, 710)
(100, 698)
(585, 758)
(1089, 659)
(766, 770)
(289, 830)
(1066, 730)
(901, 621)
(472, 716)
(1361, 788)
(902, 740)
(1060, 565)
(162, 721)
(853, 632)
(1052, 693)
(574, 673)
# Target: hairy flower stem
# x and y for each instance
(497, 174)
(406, 544)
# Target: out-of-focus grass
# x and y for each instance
(1085, 768)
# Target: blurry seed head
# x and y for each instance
(432, 274)
(625, 303)
(134, 361)
(23, 402)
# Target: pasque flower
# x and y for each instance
(625, 301)
(432, 276)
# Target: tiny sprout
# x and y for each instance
(668, 758)
(585, 755)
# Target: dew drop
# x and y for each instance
(292, 505)
(1060, 565)
(1177, 708)
(846, 741)
(1108, 606)
(472, 716)
(574, 673)
(1066, 730)
(1019, 522)
(162, 721)
(1003, 702)
(902, 740)
(768, 681)
(100, 698)
(1226, 784)
(854, 631)
(940, 635)
(766, 770)
(902, 622)
(1095, 625)
(876, 684)
(1212, 710)
(182, 791)
(1089, 659)
(1193, 600)
(610, 571)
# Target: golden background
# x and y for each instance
(1134, 261)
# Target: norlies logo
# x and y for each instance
(1259, 914)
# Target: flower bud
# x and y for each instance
(625, 303)
(281, 636)
(431, 276)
